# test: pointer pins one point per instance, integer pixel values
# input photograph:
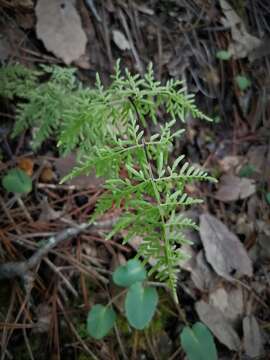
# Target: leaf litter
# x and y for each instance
(232, 188)
(203, 277)
(223, 249)
(218, 324)
(243, 43)
(253, 342)
(59, 27)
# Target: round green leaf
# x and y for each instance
(243, 82)
(223, 55)
(100, 321)
(128, 274)
(198, 343)
(140, 305)
(17, 181)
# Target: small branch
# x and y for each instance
(132, 46)
(118, 337)
(91, 6)
(20, 269)
(75, 332)
(64, 279)
(24, 209)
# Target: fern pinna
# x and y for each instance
(110, 130)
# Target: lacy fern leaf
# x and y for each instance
(109, 128)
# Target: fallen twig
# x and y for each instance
(19, 269)
(91, 6)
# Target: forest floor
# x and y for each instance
(220, 50)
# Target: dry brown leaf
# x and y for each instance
(232, 188)
(84, 61)
(223, 249)
(47, 174)
(253, 343)
(189, 263)
(202, 275)
(230, 302)
(243, 43)
(218, 324)
(244, 225)
(59, 27)
(64, 165)
(26, 165)
(229, 163)
(257, 157)
(120, 40)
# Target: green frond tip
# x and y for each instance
(81, 117)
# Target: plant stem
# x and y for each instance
(167, 247)
(116, 297)
(24, 209)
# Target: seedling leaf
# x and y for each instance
(243, 82)
(140, 305)
(198, 343)
(223, 55)
(100, 321)
(17, 181)
(128, 274)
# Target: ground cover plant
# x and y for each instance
(110, 128)
(107, 128)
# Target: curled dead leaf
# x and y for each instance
(26, 165)
(223, 249)
(218, 324)
(242, 43)
(232, 188)
(229, 163)
(253, 343)
(230, 302)
(59, 27)
(47, 175)
(203, 277)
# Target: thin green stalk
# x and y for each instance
(167, 248)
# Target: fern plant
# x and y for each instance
(110, 130)
(41, 102)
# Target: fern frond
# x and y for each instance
(17, 81)
(107, 129)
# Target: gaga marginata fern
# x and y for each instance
(152, 192)
(109, 128)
